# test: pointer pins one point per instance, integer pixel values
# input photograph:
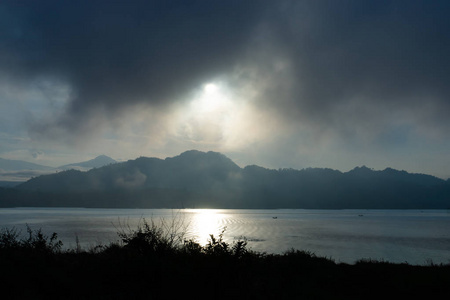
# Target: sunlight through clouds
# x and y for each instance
(209, 115)
(222, 116)
(278, 83)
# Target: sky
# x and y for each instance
(280, 84)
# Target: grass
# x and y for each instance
(156, 261)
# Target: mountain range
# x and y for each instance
(99, 161)
(18, 165)
(13, 172)
(199, 179)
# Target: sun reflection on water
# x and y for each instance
(205, 222)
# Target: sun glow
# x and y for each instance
(212, 100)
(210, 88)
(220, 117)
(209, 115)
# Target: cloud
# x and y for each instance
(131, 180)
(359, 75)
(37, 154)
(116, 54)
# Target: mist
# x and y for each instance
(296, 84)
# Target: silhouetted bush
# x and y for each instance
(148, 237)
(155, 261)
(36, 241)
(9, 238)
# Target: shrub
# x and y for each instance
(152, 238)
(191, 247)
(36, 241)
(9, 238)
(218, 247)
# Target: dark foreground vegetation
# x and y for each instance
(156, 262)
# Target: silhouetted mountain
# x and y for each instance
(97, 162)
(18, 165)
(190, 170)
(9, 184)
(13, 172)
(199, 179)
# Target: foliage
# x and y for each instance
(169, 238)
(150, 237)
(9, 238)
(155, 260)
(36, 241)
(218, 247)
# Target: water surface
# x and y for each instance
(413, 236)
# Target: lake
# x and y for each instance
(414, 236)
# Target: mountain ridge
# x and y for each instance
(14, 172)
(17, 165)
(210, 179)
(96, 162)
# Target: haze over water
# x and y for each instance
(413, 236)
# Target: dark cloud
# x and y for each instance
(367, 58)
(350, 63)
(116, 53)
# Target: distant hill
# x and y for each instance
(97, 162)
(191, 170)
(19, 165)
(9, 184)
(199, 179)
(13, 172)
